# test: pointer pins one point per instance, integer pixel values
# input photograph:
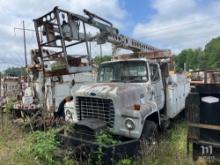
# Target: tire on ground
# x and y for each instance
(150, 131)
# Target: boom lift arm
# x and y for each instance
(59, 31)
(62, 30)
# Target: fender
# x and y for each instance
(157, 113)
(154, 114)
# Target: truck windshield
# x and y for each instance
(123, 71)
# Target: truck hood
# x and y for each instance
(126, 93)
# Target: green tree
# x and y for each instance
(212, 53)
(203, 61)
(189, 58)
(180, 59)
(15, 71)
(99, 59)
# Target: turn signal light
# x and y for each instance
(137, 107)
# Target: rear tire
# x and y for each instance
(150, 131)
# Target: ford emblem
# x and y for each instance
(93, 94)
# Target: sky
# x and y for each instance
(165, 24)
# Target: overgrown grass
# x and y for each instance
(42, 145)
(18, 147)
(10, 104)
(171, 148)
(106, 138)
(13, 141)
(21, 148)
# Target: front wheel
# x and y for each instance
(150, 131)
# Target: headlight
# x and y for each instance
(129, 124)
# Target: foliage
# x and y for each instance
(209, 58)
(17, 146)
(125, 162)
(105, 138)
(68, 161)
(12, 143)
(189, 58)
(99, 59)
(170, 150)
(9, 105)
(212, 51)
(15, 71)
(42, 145)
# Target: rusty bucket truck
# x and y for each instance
(134, 94)
(133, 98)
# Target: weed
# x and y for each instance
(12, 143)
(18, 147)
(10, 104)
(105, 138)
(68, 161)
(170, 150)
(125, 162)
(42, 145)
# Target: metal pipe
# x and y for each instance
(25, 48)
(86, 41)
(62, 39)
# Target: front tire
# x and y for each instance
(150, 131)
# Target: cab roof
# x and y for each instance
(131, 59)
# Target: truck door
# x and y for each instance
(156, 81)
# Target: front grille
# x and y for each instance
(89, 107)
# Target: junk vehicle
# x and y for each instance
(202, 112)
(59, 34)
(204, 77)
(10, 90)
(57, 88)
(134, 94)
(10, 87)
(133, 98)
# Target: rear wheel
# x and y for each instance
(150, 131)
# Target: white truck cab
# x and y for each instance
(131, 95)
